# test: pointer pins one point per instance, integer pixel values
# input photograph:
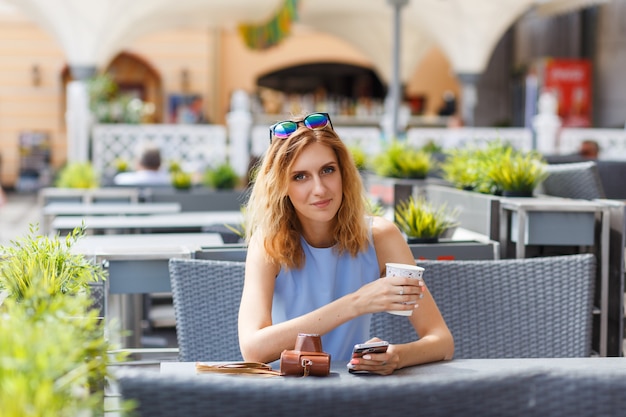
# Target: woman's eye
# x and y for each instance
(328, 170)
(299, 177)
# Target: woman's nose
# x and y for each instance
(318, 185)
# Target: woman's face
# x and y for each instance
(315, 185)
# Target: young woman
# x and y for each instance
(315, 258)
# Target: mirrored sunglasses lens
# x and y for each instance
(282, 130)
(316, 121)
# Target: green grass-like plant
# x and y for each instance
(181, 180)
(54, 353)
(121, 165)
(46, 263)
(222, 177)
(78, 175)
(419, 218)
(374, 208)
(359, 157)
(400, 160)
(53, 356)
(240, 229)
(468, 168)
(174, 166)
(518, 171)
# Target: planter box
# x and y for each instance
(444, 250)
(478, 212)
(447, 250)
(229, 252)
(199, 199)
(391, 191)
(556, 228)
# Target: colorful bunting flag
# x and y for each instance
(269, 34)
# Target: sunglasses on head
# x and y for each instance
(313, 121)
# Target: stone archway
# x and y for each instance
(133, 75)
(338, 87)
(136, 76)
(335, 78)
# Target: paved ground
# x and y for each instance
(16, 214)
(20, 211)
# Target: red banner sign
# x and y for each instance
(570, 81)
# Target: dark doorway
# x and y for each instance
(340, 80)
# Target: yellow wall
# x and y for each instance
(217, 63)
(23, 105)
(431, 78)
(175, 51)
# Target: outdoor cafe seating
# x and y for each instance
(510, 308)
(522, 334)
(206, 296)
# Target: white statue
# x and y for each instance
(239, 121)
(547, 124)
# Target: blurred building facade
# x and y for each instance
(168, 67)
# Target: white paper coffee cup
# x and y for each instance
(403, 270)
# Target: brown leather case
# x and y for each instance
(306, 359)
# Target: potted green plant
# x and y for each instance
(111, 105)
(78, 175)
(400, 160)
(422, 221)
(181, 180)
(174, 166)
(359, 157)
(467, 168)
(222, 177)
(50, 331)
(121, 165)
(52, 363)
(462, 170)
(46, 263)
(516, 173)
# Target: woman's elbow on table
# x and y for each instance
(253, 352)
(448, 344)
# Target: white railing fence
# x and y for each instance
(199, 146)
(195, 147)
(519, 138)
(612, 142)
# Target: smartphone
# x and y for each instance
(361, 349)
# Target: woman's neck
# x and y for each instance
(318, 235)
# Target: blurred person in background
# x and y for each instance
(589, 149)
(148, 171)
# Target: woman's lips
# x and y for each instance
(322, 204)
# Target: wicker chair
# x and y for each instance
(576, 180)
(513, 308)
(206, 296)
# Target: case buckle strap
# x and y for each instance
(306, 364)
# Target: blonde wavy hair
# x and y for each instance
(270, 213)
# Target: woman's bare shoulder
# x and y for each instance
(389, 242)
(256, 258)
(382, 227)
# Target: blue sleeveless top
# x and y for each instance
(325, 277)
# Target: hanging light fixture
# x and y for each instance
(35, 75)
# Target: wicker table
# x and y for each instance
(186, 221)
(52, 210)
(471, 387)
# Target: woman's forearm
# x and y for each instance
(266, 344)
(430, 348)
